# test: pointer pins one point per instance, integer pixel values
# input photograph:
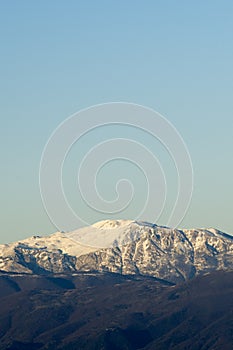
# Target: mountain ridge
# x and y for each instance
(125, 247)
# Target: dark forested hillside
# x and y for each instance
(110, 311)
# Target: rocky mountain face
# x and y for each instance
(132, 248)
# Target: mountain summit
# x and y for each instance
(125, 247)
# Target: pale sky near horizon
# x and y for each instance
(58, 57)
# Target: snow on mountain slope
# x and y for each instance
(46, 251)
(125, 247)
(110, 233)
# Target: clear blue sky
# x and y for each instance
(60, 56)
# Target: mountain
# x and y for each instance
(124, 247)
(94, 311)
(118, 285)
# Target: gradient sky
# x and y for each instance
(60, 56)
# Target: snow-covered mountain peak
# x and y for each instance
(111, 233)
(125, 247)
(111, 224)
